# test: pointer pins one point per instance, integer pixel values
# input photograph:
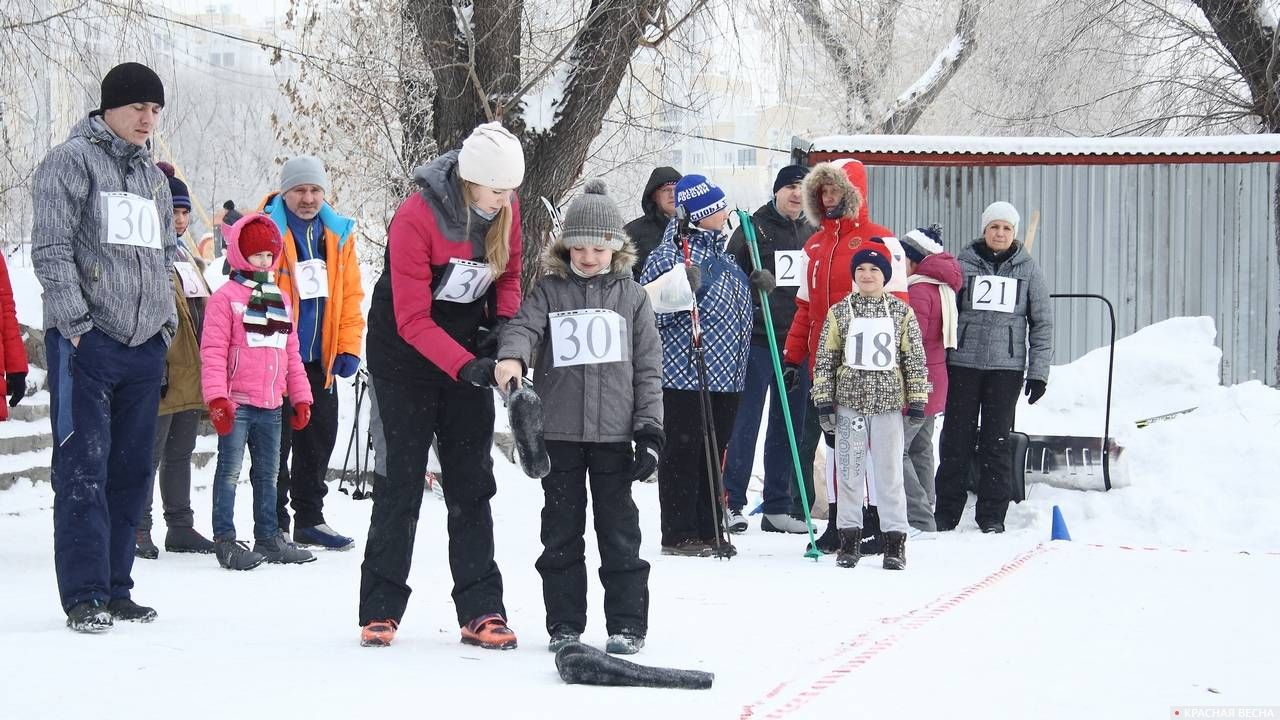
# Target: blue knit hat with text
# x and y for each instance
(699, 198)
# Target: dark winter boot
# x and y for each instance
(850, 547)
(829, 541)
(127, 610)
(143, 547)
(627, 642)
(89, 617)
(872, 538)
(562, 636)
(186, 540)
(895, 550)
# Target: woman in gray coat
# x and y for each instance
(1005, 344)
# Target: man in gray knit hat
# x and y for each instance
(103, 246)
(599, 367)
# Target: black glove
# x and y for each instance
(791, 377)
(1034, 391)
(487, 338)
(827, 419)
(763, 280)
(17, 387)
(649, 441)
(479, 372)
(694, 274)
(915, 413)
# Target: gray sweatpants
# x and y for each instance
(874, 440)
(175, 440)
(917, 472)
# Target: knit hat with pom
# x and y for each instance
(177, 188)
(593, 220)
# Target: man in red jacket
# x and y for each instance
(935, 279)
(835, 193)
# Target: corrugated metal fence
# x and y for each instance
(1159, 241)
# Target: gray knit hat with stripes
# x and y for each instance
(593, 220)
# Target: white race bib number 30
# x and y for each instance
(192, 284)
(994, 293)
(787, 266)
(131, 220)
(464, 281)
(588, 337)
(870, 344)
(313, 279)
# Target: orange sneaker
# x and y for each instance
(489, 632)
(378, 633)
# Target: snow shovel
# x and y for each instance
(524, 412)
(581, 664)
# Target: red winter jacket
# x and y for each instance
(13, 355)
(829, 252)
(926, 301)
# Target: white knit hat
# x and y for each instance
(491, 156)
(1001, 210)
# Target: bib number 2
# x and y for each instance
(787, 264)
(587, 337)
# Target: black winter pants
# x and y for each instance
(311, 447)
(562, 565)
(460, 416)
(993, 395)
(689, 511)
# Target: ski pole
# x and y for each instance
(714, 481)
(749, 231)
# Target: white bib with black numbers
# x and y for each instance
(588, 337)
(870, 345)
(312, 279)
(192, 284)
(131, 220)
(464, 281)
(788, 267)
(994, 293)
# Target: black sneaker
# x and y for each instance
(626, 642)
(562, 636)
(143, 547)
(688, 548)
(89, 617)
(992, 527)
(126, 610)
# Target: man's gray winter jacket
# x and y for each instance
(123, 290)
(604, 402)
(990, 340)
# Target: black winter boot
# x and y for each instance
(872, 538)
(895, 550)
(829, 541)
(850, 547)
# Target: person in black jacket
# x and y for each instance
(781, 231)
(659, 203)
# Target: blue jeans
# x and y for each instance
(779, 471)
(260, 430)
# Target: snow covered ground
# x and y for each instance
(1164, 601)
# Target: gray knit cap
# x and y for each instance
(303, 170)
(592, 220)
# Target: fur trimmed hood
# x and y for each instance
(850, 176)
(555, 259)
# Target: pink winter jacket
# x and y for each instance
(927, 303)
(254, 376)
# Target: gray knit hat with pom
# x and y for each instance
(593, 220)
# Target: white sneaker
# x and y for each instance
(737, 522)
(783, 523)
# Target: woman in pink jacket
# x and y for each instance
(249, 360)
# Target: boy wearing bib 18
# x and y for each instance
(870, 363)
(599, 372)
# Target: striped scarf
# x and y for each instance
(266, 314)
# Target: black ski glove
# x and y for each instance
(763, 280)
(915, 413)
(791, 377)
(479, 372)
(16, 384)
(487, 338)
(1034, 391)
(649, 441)
(694, 273)
(827, 419)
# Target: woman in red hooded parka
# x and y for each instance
(835, 193)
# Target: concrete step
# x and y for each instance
(25, 443)
(27, 413)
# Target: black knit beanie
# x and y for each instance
(130, 83)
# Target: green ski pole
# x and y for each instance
(749, 231)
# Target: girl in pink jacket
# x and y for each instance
(249, 362)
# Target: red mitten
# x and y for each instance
(301, 415)
(223, 415)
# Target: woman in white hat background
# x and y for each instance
(452, 278)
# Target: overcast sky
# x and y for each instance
(252, 9)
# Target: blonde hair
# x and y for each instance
(497, 242)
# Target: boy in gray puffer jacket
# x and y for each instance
(589, 331)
